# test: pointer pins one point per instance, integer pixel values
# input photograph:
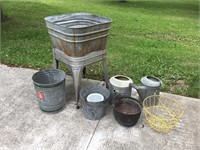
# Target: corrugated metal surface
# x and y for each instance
(78, 34)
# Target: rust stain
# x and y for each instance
(75, 49)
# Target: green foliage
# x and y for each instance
(158, 38)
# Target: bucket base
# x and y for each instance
(94, 110)
(49, 108)
(93, 114)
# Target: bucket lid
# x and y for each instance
(120, 81)
(151, 81)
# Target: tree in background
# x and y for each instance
(3, 16)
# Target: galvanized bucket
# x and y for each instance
(50, 89)
(94, 110)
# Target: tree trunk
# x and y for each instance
(2, 15)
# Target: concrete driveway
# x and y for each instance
(24, 126)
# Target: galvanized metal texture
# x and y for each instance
(77, 64)
(78, 34)
(50, 89)
(94, 110)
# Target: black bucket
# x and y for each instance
(50, 89)
(127, 110)
(94, 110)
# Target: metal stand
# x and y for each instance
(77, 64)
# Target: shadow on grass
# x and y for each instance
(190, 9)
(24, 37)
(29, 10)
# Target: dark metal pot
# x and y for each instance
(127, 110)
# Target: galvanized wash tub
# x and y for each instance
(78, 34)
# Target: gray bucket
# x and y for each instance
(94, 110)
(50, 89)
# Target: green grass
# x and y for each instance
(157, 37)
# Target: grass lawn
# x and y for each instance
(157, 37)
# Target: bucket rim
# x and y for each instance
(106, 96)
(129, 99)
(35, 75)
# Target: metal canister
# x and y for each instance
(119, 85)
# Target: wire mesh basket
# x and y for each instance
(162, 113)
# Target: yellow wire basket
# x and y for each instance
(162, 113)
